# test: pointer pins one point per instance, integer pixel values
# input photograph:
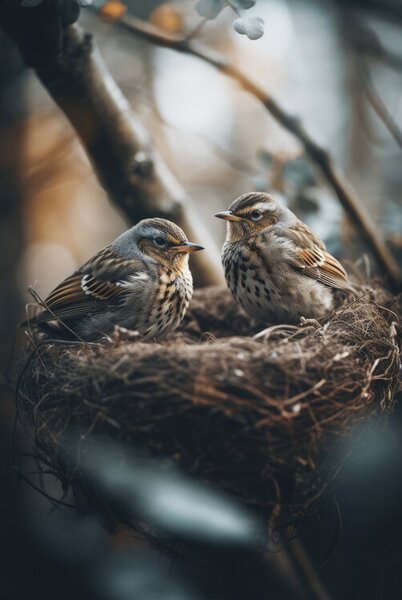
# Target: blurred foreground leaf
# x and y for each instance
(131, 576)
(162, 497)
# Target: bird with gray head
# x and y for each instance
(140, 282)
(277, 269)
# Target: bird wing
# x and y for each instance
(103, 282)
(312, 257)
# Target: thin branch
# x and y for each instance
(197, 29)
(366, 41)
(346, 195)
(378, 105)
(120, 148)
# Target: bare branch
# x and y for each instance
(120, 148)
(346, 195)
(366, 41)
(378, 105)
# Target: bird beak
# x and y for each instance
(227, 215)
(189, 247)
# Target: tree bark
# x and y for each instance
(119, 146)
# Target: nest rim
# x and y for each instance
(225, 423)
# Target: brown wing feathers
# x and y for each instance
(316, 261)
(67, 291)
(102, 290)
(87, 289)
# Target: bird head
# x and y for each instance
(164, 242)
(250, 214)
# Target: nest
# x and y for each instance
(253, 416)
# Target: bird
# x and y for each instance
(141, 282)
(276, 267)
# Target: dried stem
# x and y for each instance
(119, 146)
(348, 198)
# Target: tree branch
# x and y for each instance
(348, 198)
(379, 107)
(120, 148)
(366, 41)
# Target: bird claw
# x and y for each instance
(121, 334)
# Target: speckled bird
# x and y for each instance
(277, 269)
(140, 282)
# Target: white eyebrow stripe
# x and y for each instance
(262, 206)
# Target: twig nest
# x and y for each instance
(253, 416)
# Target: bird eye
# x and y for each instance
(256, 215)
(159, 241)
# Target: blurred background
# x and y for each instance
(337, 66)
(217, 140)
